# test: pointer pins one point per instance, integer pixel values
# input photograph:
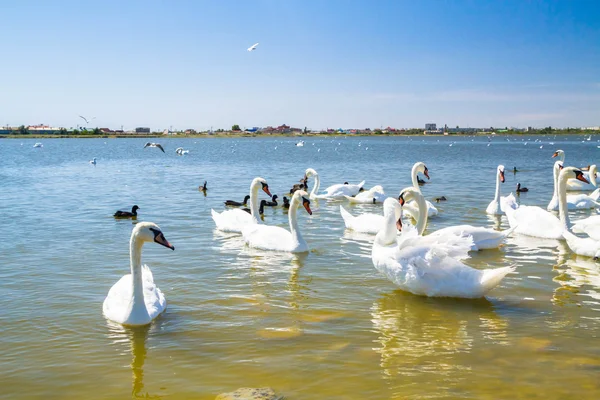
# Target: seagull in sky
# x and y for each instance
(87, 121)
(149, 144)
(253, 47)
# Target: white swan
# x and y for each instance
(575, 185)
(428, 270)
(234, 220)
(135, 299)
(180, 151)
(371, 196)
(537, 222)
(496, 206)
(334, 191)
(574, 201)
(365, 223)
(483, 238)
(276, 238)
(411, 208)
(38, 144)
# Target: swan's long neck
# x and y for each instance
(562, 202)
(387, 234)
(497, 195)
(415, 181)
(293, 219)
(316, 186)
(555, 173)
(254, 204)
(422, 206)
(135, 258)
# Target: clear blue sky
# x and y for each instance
(320, 63)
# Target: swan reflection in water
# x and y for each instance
(578, 280)
(422, 338)
(136, 337)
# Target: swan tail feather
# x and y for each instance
(595, 195)
(492, 277)
(348, 218)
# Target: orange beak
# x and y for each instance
(502, 176)
(581, 178)
(426, 172)
(555, 154)
(266, 190)
(306, 205)
(399, 224)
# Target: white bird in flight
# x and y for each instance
(87, 121)
(253, 47)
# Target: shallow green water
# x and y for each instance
(316, 326)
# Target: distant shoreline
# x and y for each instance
(288, 135)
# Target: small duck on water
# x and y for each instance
(127, 214)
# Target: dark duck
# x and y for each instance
(127, 214)
(233, 203)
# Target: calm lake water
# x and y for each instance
(325, 325)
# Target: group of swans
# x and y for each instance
(371, 223)
(428, 266)
(573, 184)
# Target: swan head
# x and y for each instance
(501, 172)
(422, 168)
(558, 153)
(299, 195)
(263, 183)
(572, 173)
(310, 172)
(392, 206)
(150, 232)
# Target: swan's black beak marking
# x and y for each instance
(265, 188)
(401, 199)
(426, 172)
(579, 176)
(502, 176)
(306, 204)
(399, 224)
(160, 239)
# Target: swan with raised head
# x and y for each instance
(537, 222)
(496, 206)
(371, 196)
(235, 220)
(411, 208)
(574, 185)
(428, 269)
(337, 191)
(483, 238)
(135, 299)
(574, 201)
(275, 238)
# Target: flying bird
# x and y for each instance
(87, 121)
(149, 144)
(253, 47)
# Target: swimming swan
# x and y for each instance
(275, 238)
(411, 208)
(574, 201)
(135, 299)
(371, 196)
(573, 184)
(483, 238)
(235, 220)
(496, 206)
(365, 223)
(431, 269)
(337, 191)
(537, 222)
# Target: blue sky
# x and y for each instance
(320, 63)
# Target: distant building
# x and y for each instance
(142, 130)
(430, 127)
